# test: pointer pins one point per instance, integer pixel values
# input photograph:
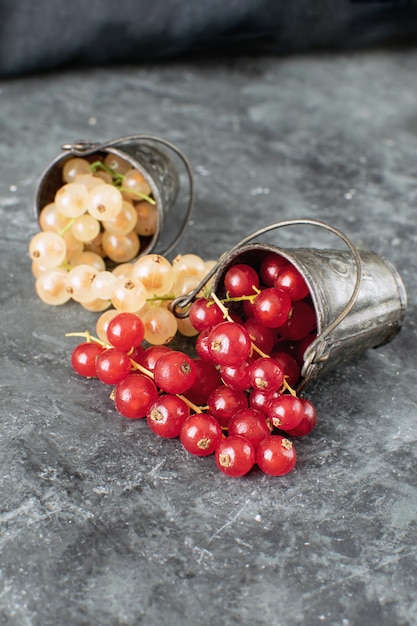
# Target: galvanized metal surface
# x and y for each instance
(371, 319)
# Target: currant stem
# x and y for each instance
(250, 298)
(87, 335)
(67, 227)
(287, 387)
(118, 179)
(99, 165)
(226, 315)
(143, 196)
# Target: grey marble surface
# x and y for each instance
(104, 523)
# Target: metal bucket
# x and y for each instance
(358, 296)
(144, 155)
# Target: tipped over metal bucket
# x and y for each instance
(145, 155)
(358, 296)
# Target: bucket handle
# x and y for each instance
(84, 147)
(316, 350)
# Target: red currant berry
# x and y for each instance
(262, 336)
(301, 321)
(229, 343)
(247, 308)
(205, 314)
(223, 403)
(276, 455)
(174, 372)
(202, 346)
(260, 399)
(134, 395)
(137, 354)
(150, 356)
(241, 280)
(301, 346)
(201, 434)
(285, 412)
(125, 331)
(308, 421)
(166, 415)
(83, 358)
(289, 365)
(235, 456)
(207, 379)
(251, 424)
(112, 366)
(271, 307)
(266, 375)
(290, 280)
(270, 267)
(236, 377)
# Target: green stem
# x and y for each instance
(143, 196)
(67, 227)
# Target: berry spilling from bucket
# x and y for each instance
(235, 399)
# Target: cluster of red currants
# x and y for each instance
(235, 399)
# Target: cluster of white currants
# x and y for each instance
(101, 211)
(90, 235)
(147, 288)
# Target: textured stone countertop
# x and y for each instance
(104, 523)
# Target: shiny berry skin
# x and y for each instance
(270, 268)
(290, 366)
(235, 456)
(285, 412)
(223, 403)
(205, 314)
(112, 366)
(236, 377)
(174, 372)
(266, 375)
(241, 280)
(301, 321)
(251, 424)
(276, 455)
(261, 336)
(134, 395)
(290, 280)
(207, 379)
(150, 355)
(229, 344)
(271, 307)
(202, 346)
(125, 331)
(166, 415)
(201, 434)
(260, 399)
(137, 354)
(308, 420)
(83, 358)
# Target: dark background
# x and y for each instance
(43, 35)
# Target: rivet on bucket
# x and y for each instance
(144, 155)
(358, 297)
